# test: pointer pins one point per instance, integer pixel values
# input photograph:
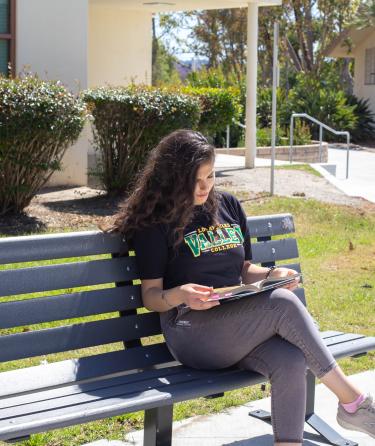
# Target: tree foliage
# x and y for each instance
(366, 14)
(306, 28)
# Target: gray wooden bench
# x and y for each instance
(110, 370)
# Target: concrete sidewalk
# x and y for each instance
(234, 427)
(361, 181)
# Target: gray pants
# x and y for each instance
(271, 333)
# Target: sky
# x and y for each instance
(180, 52)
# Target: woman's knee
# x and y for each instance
(286, 300)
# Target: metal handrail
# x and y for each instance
(228, 131)
(239, 123)
(321, 127)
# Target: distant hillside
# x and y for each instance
(184, 67)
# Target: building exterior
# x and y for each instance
(359, 44)
(89, 43)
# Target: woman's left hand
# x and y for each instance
(285, 272)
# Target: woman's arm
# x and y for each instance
(252, 273)
(193, 295)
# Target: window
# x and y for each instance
(370, 66)
(7, 36)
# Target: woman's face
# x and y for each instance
(204, 182)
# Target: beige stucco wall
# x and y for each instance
(120, 45)
(52, 39)
(360, 89)
(120, 50)
(83, 44)
(52, 42)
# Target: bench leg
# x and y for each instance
(158, 426)
(316, 422)
(311, 418)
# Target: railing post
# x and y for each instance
(347, 154)
(228, 137)
(291, 138)
(320, 143)
(274, 102)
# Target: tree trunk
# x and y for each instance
(346, 79)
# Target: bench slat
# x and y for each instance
(57, 418)
(331, 333)
(273, 250)
(270, 225)
(73, 337)
(79, 370)
(85, 243)
(216, 382)
(300, 293)
(69, 306)
(57, 246)
(66, 275)
(344, 337)
(120, 386)
(296, 266)
(164, 376)
(355, 347)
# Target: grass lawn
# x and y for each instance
(337, 248)
(303, 167)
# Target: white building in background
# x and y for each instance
(90, 43)
(360, 45)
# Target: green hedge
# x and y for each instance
(301, 134)
(219, 106)
(328, 105)
(128, 122)
(38, 121)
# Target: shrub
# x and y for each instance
(213, 77)
(302, 135)
(326, 104)
(128, 122)
(217, 79)
(365, 129)
(219, 106)
(38, 121)
(264, 107)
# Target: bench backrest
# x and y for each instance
(91, 306)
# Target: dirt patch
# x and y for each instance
(290, 183)
(58, 209)
(83, 208)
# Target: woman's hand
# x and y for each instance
(285, 272)
(194, 296)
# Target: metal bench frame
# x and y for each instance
(92, 386)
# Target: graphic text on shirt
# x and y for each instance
(214, 238)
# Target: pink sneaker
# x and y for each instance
(363, 420)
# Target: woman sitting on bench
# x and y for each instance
(174, 216)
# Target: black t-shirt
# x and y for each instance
(208, 255)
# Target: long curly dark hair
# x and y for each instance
(164, 189)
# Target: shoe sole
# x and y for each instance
(349, 426)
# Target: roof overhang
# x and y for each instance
(339, 46)
(181, 5)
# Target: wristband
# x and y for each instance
(164, 298)
(270, 271)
